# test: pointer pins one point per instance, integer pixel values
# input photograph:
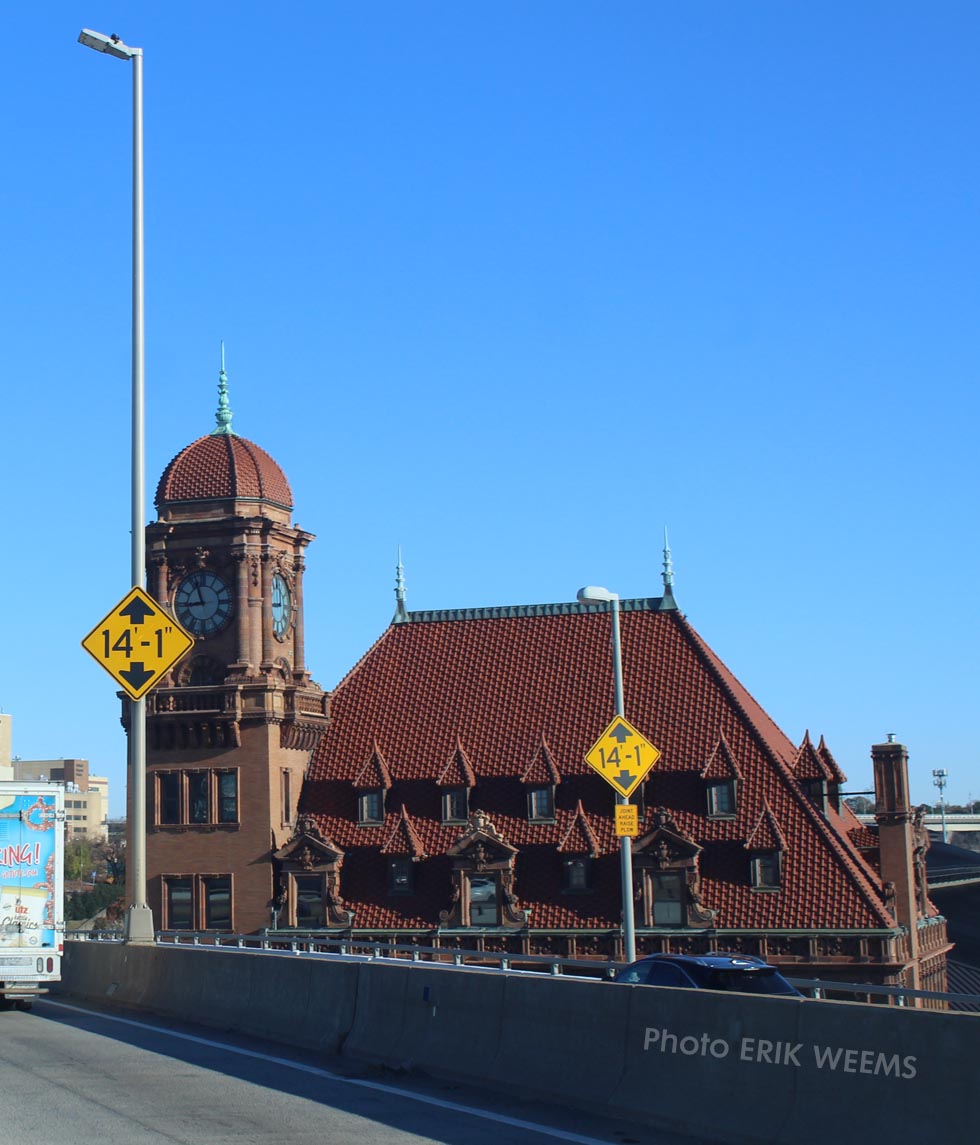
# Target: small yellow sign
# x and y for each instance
(137, 643)
(622, 756)
(627, 820)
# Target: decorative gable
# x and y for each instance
(837, 776)
(308, 849)
(541, 771)
(580, 839)
(722, 764)
(667, 845)
(482, 844)
(766, 835)
(403, 839)
(375, 771)
(458, 771)
(809, 765)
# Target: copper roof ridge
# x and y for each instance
(526, 611)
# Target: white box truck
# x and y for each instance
(32, 898)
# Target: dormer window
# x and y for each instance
(371, 807)
(766, 870)
(541, 804)
(816, 789)
(576, 874)
(456, 805)
(721, 799)
(401, 876)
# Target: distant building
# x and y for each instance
(6, 767)
(86, 796)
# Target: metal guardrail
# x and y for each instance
(309, 943)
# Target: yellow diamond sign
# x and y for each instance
(137, 643)
(622, 756)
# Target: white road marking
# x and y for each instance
(393, 1090)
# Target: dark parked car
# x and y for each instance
(741, 972)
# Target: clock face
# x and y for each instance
(203, 603)
(282, 606)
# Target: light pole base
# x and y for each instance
(139, 925)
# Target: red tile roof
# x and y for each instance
(498, 681)
(223, 466)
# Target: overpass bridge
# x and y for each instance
(714, 1066)
(956, 824)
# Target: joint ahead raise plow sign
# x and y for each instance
(622, 756)
(137, 643)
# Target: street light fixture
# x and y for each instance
(139, 917)
(940, 775)
(593, 594)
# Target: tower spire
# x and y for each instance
(400, 613)
(667, 602)
(223, 414)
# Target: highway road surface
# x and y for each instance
(71, 1074)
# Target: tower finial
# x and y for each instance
(223, 415)
(667, 602)
(400, 612)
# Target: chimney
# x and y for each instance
(893, 814)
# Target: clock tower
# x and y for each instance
(230, 731)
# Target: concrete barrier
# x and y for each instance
(430, 1018)
(722, 1067)
(561, 1038)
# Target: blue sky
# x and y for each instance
(514, 286)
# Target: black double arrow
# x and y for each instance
(137, 612)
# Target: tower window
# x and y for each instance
(199, 803)
(217, 902)
(178, 902)
(227, 796)
(168, 797)
(196, 798)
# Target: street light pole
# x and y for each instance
(594, 595)
(940, 775)
(139, 917)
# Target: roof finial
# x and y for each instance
(667, 601)
(400, 613)
(668, 573)
(223, 415)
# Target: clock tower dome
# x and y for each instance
(230, 731)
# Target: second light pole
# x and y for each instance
(139, 917)
(592, 594)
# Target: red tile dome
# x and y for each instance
(223, 466)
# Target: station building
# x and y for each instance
(440, 793)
